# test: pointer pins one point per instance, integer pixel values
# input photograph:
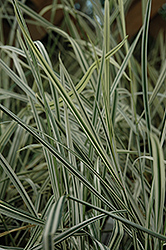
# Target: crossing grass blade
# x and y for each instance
(56, 154)
(18, 185)
(18, 214)
(158, 84)
(88, 72)
(17, 80)
(80, 85)
(85, 79)
(52, 223)
(78, 129)
(124, 64)
(117, 236)
(123, 220)
(55, 81)
(67, 165)
(4, 138)
(36, 234)
(68, 233)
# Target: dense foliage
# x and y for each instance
(82, 132)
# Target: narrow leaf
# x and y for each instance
(52, 223)
(18, 185)
(18, 214)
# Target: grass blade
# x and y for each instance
(68, 233)
(117, 236)
(144, 71)
(159, 182)
(52, 223)
(49, 72)
(18, 214)
(123, 220)
(18, 185)
(17, 80)
(56, 154)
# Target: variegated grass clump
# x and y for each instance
(82, 140)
